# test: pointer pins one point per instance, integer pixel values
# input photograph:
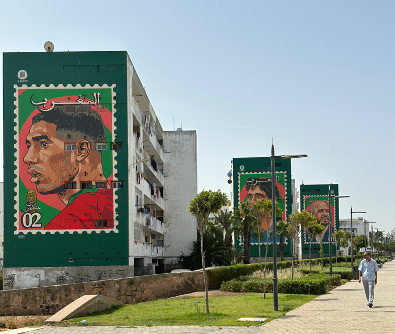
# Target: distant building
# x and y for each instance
(358, 226)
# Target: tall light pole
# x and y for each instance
(273, 158)
(352, 262)
(364, 229)
(330, 227)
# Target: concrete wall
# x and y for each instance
(181, 187)
(49, 300)
(23, 278)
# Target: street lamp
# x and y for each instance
(364, 230)
(330, 227)
(352, 262)
(273, 157)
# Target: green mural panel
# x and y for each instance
(63, 203)
(314, 199)
(251, 183)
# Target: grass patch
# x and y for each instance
(224, 311)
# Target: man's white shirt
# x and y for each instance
(368, 269)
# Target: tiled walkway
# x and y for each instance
(344, 310)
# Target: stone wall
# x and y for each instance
(49, 300)
(25, 278)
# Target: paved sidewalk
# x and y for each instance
(344, 310)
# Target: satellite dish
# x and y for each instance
(49, 47)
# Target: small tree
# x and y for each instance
(296, 220)
(338, 235)
(262, 210)
(346, 237)
(201, 206)
(313, 229)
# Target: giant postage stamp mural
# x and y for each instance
(65, 165)
(255, 187)
(318, 205)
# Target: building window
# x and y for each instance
(101, 146)
(71, 185)
(70, 147)
(117, 146)
(139, 197)
(117, 185)
(86, 185)
(101, 222)
(100, 185)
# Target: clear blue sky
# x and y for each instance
(318, 76)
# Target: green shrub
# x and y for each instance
(313, 285)
(1, 281)
(219, 275)
(306, 286)
(345, 273)
(307, 271)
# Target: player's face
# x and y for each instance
(50, 166)
(321, 212)
(255, 194)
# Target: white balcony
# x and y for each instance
(152, 199)
(137, 111)
(141, 249)
(152, 225)
(150, 171)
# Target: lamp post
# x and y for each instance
(273, 158)
(364, 230)
(352, 262)
(330, 227)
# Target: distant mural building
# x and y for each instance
(314, 199)
(252, 182)
(89, 172)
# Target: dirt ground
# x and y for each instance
(11, 322)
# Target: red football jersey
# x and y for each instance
(85, 210)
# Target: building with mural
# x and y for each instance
(315, 199)
(89, 172)
(252, 181)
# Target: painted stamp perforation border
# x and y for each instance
(17, 158)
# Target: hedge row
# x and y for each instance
(226, 273)
(309, 285)
(345, 273)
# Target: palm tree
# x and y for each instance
(313, 229)
(228, 224)
(215, 251)
(245, 219)
(281, 230)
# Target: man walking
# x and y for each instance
(368, 269)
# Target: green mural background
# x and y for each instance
(97, 248)
(244, 168)
(309, 193)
